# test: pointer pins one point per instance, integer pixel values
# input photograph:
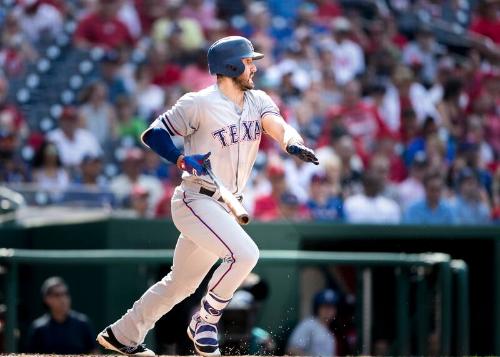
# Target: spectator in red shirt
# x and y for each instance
(267, 208)
(361, 120)
(487, 22)
(103, 28)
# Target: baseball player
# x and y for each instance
(225, 123)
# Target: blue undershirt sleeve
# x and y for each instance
(161, 143)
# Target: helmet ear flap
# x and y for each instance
(234, 68)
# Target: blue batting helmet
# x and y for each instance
(225, 55)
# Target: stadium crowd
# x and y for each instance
(405, 121)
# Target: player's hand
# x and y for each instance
(194, 164)
(302, 152)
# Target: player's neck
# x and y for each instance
(231, 91)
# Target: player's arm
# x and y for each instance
(288, 138)
(159, 140)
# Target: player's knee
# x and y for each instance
(248, 257)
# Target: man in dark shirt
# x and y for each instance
(61, 330)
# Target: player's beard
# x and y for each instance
(243, 84)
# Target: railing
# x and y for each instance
(402, 264)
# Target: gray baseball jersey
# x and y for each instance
(209, 121)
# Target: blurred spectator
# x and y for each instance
(422, 54)
(176, 33)
(267, 207)
(73, 142)
(12, 167)
(380, 166)
(154, 165)
(200, 10)
(165, 72)
(412, 189)
(370, 206)
(97, 114)
(149, 11)
(312, 336)
(132, 176)
(351, 165)
(291, 209)
(103, 28)
(195, 76)
(360, 119)
(129, 124)
(298, 176)
(487, 22)
(129, 16)
(139, 202)
(91, 172)
(48, 173)
(61, 330)
(111, 74)
(433, 209)
(470, 205)
(15, 51)
(163, 209)
(39, 20)
(11, 118)
(149, 96)
(347, 55)
(323, 206)
(451, 109)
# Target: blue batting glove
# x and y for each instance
(194, 164)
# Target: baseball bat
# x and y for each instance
(232, 202)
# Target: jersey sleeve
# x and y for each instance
(182, 119)
(267, 105)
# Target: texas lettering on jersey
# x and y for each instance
(249, 131)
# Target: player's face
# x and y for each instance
(245, 80)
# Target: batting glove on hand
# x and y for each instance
(302, 152)
(194, 164)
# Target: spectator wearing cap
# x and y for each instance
(97, 114)
(39, 19)
(433, 209)
(371, 206)
(116, 74)
(103, 28)
(139, 202)
(412, 188)
(470, 205)
(61, 330)
(348, 55)
(291, 209)
(422, 54)
(322, 205)
(132, 167)
(312, 336)
(73, 142)
(90, 173)
(267, 207)
(48, 173)
(360, 119)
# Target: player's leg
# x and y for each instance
(209, 225)
(190, 265)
